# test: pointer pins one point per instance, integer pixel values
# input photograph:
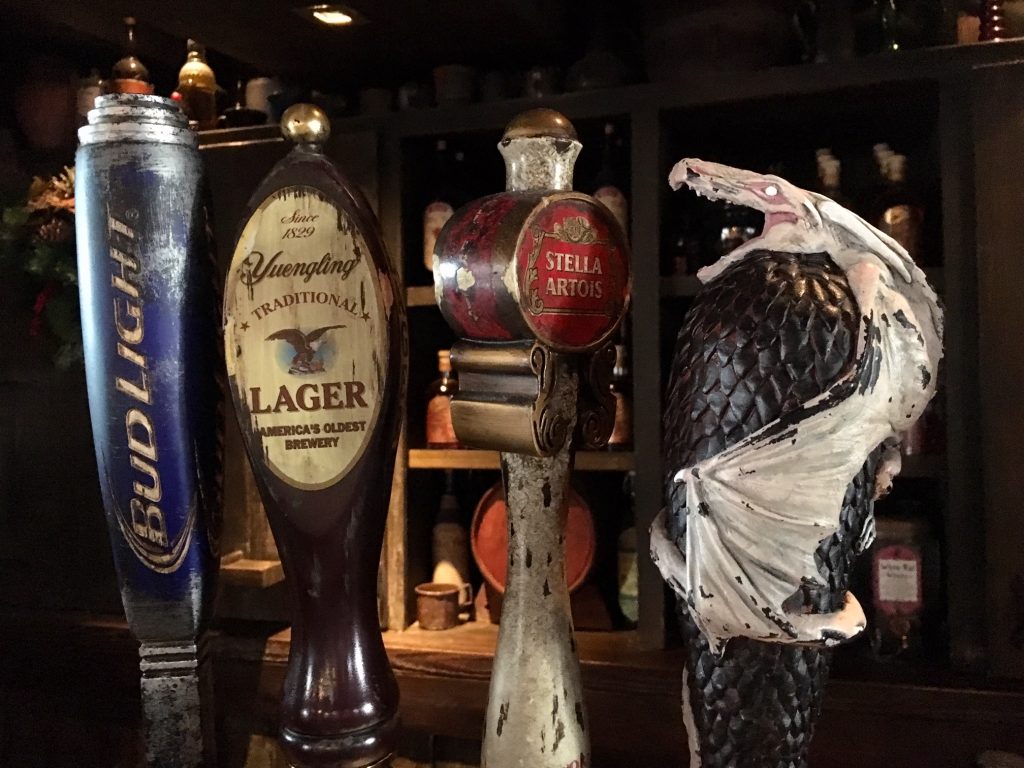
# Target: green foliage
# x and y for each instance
(37, 238)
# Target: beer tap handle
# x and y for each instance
(535, 280)
(316, 342)
(153, 368)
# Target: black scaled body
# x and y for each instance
(770, 333)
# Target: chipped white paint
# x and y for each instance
(464, 278)
(535, 714)
(890, 463)
(438, 279)
(510, 278)
(757, 511)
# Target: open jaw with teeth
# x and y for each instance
(784, 206)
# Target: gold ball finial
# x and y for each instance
(305, 124)
(540, 122)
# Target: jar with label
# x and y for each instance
(440, 432)
(904, 580)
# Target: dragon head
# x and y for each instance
(777, 199)
(792, 219)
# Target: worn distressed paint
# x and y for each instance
(771, 501)
(535, 660)
(149, 327)
(535, 715)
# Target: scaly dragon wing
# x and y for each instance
(293, 336)
(314, 335)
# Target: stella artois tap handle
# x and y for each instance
(153, 368)
(316, 342)
(535, 280)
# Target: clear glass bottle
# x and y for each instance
(628, 574)
(737, 225)
(198, 89)
(608, 186)
(450, 543)
(85, 98)
(440, 432)
(442, 201)
(129, 75)
(830, 171)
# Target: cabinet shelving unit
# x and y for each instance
(949, 107)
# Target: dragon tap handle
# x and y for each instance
(536, 281)
(149, 327)
(805, 352)
(316, 342)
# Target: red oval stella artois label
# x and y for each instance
(573, 273)
(305, 336)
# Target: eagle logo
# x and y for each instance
(306, 346)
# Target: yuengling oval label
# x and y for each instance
(305, 337)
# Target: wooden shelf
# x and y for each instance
(705, 89)
(252, 573)
(586, 461)
(633, 700)
(420, 296)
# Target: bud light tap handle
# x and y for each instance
(153, 368)
(536, 281)
(316, 350)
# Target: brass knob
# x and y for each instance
(305, 124)
(540, 122)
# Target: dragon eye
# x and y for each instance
(771, 190)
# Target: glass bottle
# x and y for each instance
(450, 543)
(738, 225)
(898, 212)
(992, 17)
(830, 171)
(622, 433)
(904, 576)
(629, 601)
(608, 185)
(129, 75)
(440, 432)
(198, 88)
(85, 98)
(442, 201)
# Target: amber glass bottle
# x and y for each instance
(440, 432)
(621, 438)
(129, 75)
(898, 211)
(198, 88)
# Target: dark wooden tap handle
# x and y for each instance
(316, 343)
